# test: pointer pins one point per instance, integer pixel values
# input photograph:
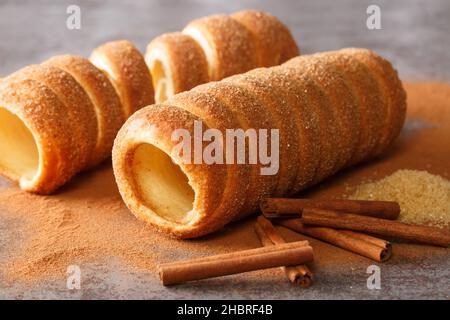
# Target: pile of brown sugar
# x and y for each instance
(40, 236)
(424, 198)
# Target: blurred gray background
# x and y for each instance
(414, 34)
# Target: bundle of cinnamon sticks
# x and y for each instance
(343, 223)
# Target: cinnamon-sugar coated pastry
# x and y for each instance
(215, 47)
(125, 67)
(58, 118)
(227, 45)
(273, 40)
(78, 106)
(37, 146)
(177, 63)
(214, 114)
(156, 184)
(279, 110)
(325, 98)
(104, 99)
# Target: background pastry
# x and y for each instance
(126, 69)
(215, 47)
(177, 63)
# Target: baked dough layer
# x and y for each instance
(126, 69)
(104, 99)
(20, 155)
(214, 47)
(197, 187)
(44, 147)
(177, 63)
(326, 100)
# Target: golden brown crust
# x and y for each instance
(228, 45)
(350, 108)
(328, 100)
(184, 58)
(45, 116)
(306, 123)
(273, 40)
(325, 74)
(326, 135)
(128, 72)
(217, 116)
(154, 125)
(79, 109)
(251, 114)
(103, 97)
(393, 95)
(368, 101)
(279, 111)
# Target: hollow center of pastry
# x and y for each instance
(164, 187)
(159, 81)
(19, 156)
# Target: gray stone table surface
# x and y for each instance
(414, 36)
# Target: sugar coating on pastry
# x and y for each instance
(79, 109)
(319, 68)
(273, 40)
(368, 101)
(306, 123)
(36, 140)
(177, 63)
(107, 106)
(214, 114)
(227, 44)
(279, 111)
(158, 187)
(251, 115)
(392, 93)
(326, 135)
(324, 100)
(126, 68)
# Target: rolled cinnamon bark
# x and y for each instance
(283, 207)
(415, 233)
(367, 246)
(268, 236)
(237, 262)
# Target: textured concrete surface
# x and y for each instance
(414, 37)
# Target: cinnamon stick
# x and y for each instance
(333, 219)
(283, 207)
(287, 254)
(367, 246)
(268, 236)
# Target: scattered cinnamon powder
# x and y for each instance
(87, 221)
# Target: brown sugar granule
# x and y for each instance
(424, 198)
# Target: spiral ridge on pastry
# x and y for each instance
(215, 47)
(336, 109)
(61, 117)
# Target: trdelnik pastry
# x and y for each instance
(190, 200)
